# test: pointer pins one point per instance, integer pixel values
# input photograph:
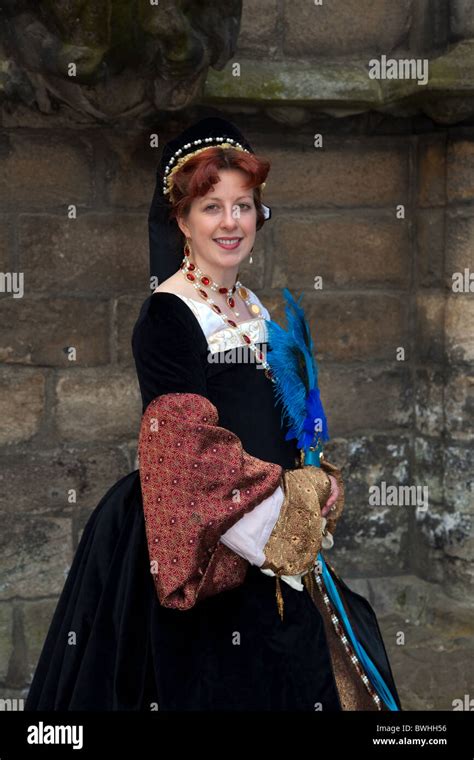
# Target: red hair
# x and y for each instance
(200, 173)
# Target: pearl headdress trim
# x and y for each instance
(176, 162)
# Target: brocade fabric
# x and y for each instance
(197, 481)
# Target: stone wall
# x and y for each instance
(383, 212)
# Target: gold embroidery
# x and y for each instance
(226, 338)
(296, 537)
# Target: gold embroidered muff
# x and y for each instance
(296, 537)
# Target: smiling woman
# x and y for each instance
(220, 231)
(171, 602)
(216, 200)
(215, 197)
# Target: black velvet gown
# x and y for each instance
(230, 651)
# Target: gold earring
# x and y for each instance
(187, 249)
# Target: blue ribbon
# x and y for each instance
(372, 673)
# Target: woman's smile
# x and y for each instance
(228, 243)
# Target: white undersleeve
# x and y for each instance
(248, 536)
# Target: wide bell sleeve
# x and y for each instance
(197, 481)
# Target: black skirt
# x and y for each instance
(112, 646)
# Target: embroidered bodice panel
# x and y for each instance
(219, 336)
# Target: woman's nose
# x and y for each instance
(229, 219)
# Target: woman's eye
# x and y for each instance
(214, 205)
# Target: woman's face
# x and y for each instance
(226, 212)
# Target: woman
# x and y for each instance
(171, 602)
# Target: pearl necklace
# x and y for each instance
(201, 281)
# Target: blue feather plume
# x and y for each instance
(296, 377)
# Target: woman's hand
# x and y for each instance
(334, 505)
(333, 496)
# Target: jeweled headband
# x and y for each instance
(178, 159)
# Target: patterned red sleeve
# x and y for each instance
(196, 481)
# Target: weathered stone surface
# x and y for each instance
(430, 232)
(6, 242)
(448, 98)
(345, 173)
(429, 343)
(460, 170)
(344, 250)
(6, 638)
(63, 162)
(458, 471)
(65, 480)
(344, 27)
(339, 86)
(92, 406)
(459, 328)
(258, 28)
(96, 253)
(431, 186)
(359, 327)
(461, 18)
(429, 470)
(130, 164)
(429, 402)
(459, 402)
(429, 638)
(371, 538)
(55, 332)
(22, 398)
(36, 619)
(459, 245)
(432, 666)
(35, 555)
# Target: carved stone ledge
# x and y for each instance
(342, 88)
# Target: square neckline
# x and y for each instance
(208, 306)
